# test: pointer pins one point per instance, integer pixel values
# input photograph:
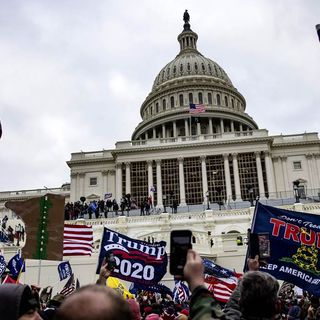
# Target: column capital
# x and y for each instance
(112, 172)
(267, 153)
(180, 159)
(81, 174)
(203, 158)
(73, 174)
(309, 155)
(104, 172)
(316, 155)
(158, 161)
(149, 162)
(226, 156)
(257, 154)
(128, 164)
(283, 158)
(234, 155)
(118, 165)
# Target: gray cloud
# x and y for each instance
(74, 74)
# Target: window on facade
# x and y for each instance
(216, 179)
(226, 101)
(170, 181)
(157, 107)
(164, 104)
(190, 98)
(151, 110)
(172, 102)
(93, 181)
(181, 100)
(139, 181)
(218, 99)
(209, 98)
(193, 180)
(200, 97)
(232, 103)
(297, 165)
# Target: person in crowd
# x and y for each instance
(18, 303)
(255, 297)
(93, 302)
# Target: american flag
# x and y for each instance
(69, 287)
(77, 240)
(180, 292)
(196, 108)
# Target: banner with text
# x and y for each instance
(136, 261)
(294, 245)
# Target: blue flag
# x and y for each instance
(64, 270)
(294, 245)
(136, 261)
(3, 265)
(16, 265)
(213, 269)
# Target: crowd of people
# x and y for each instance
(108, 208)
(9, 234)
(256, 296)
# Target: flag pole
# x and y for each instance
(39, 270)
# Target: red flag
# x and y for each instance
(8, 279)
(77, 240)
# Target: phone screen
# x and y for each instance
(179, 245)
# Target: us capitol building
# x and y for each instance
(213, 164)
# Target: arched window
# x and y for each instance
(172, 102)
(232, 103)
(218, 99)
(164, 104)
(190, 98)
(209, 98)
(188, 67)
(157, 107)
(226, 101)
(151, 110)
(181, 100)
(200, 97)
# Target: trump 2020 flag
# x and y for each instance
(136, 261)
(294, 245)
(181, 292)
(64, 270)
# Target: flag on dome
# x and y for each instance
(197, 108)
(77, 240)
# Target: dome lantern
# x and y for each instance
(187, 38)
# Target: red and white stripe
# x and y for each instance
(77, 240)
(222, 288)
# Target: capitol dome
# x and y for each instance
(191, 78)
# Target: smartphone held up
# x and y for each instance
(180, 243)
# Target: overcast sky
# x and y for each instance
(73, 74)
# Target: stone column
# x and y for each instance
(154, 135)
(227, 177)
(232, 126)
(128, 178)
(163, 131)
(181, 180)
(221, 126)
(240, 127)
(146, 136)
(311, 172)
(210, 126)
(150, 179)
(287, 188)
(260, 175)
(111, 182)
(118, 181)
(104, 183)
(198, 128)
(186, 126)
(205, 187)
(81, 185)
(236, 176)
(74, 187)
(317, 165)
(270, 175)
(159, 184)
(174, 124)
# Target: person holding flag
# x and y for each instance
(256, 295)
